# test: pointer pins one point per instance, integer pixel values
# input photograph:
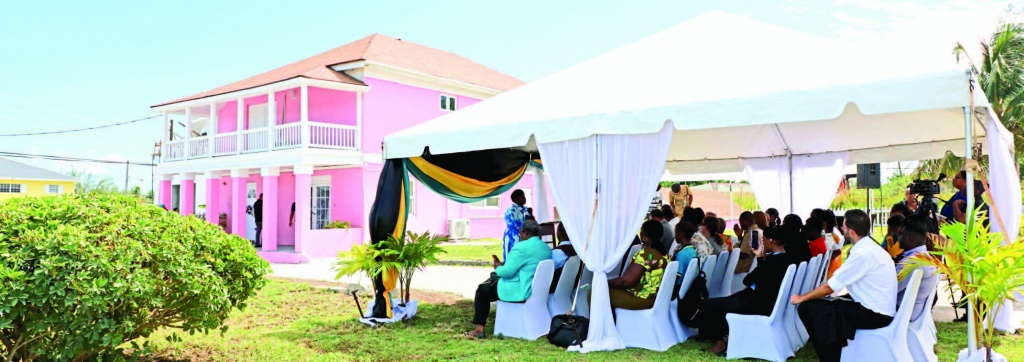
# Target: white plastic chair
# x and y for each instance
(737, 280)
(823, 267)
(582, 306)
(530, 319)
(683, 332)
(709, 265)
(560, 301)
(806, 287)
(789, 314)
(921, 338)
(888, 343)
(729, 273)
(758, 336)
(715, 278)
(650, 328)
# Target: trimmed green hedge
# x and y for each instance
(80, 276)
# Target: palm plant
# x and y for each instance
(977, 263)
(1000, 74)
(398, 256)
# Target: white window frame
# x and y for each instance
(483, 204)
(319, 182)
(412, 198)
(449, 103)
(54, 189)
(9, 188)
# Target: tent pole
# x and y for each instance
(972, 342)
(789, 156)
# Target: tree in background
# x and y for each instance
(1000, 74)
(92, 184)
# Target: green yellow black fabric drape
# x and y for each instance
(463, 177)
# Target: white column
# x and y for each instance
(214, 125)
(241, 121)
(167, 129)
(271, 119)
(304, 114)
(188, 132)
(359, 121)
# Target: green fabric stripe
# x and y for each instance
(440, 188)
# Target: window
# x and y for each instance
(488, 203)
(10, 188)
(412, 198)
(258, 116)
(321, 206)
(54, 189)
(448, 103)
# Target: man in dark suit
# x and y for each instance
(758, 297)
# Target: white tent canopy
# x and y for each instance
(733, 88)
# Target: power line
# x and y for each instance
(79, 129)
(71, 159)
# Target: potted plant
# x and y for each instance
(987, 271)
(399, 256)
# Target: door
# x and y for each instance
(250, 219)
(258, 116)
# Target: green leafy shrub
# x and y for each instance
(336, 224)
(82, 275)
(402, 256)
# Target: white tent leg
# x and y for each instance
(541, 208)
(789, 154)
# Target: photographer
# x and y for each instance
(960, 183)
(960, 206)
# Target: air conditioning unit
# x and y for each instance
(458, 229)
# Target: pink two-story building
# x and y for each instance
(310, 133)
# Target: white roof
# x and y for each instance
(730, 86)
(12, 170)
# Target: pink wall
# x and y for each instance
(389, 107)
(227, 117)
(332, 106)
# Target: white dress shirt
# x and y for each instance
(870, 276)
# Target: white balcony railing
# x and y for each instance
(199, 147)
(320, 135)
(225, 144)
(288, 136)
(325, 135)
(254, 140)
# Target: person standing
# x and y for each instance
(680, 198)
(870, 277)
(514, 217)
(257, 214)
(291, 216)
(960, 184)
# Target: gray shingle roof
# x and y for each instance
(17, 170)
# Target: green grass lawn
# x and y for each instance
(296, 321)
(473, 252)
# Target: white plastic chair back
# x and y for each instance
(729, 273)
(683, 332)
(529, 319)
(888, 343)
(624, 263)
(582, 307)
(650, 328)
(751, 332)
(921, 338)
(715, 278)
(805, 287)
(708, 266)
(789, 314)
(560, 301)
(823, 266)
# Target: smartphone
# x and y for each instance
(754, 241)
(495, 258)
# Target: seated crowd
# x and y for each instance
(767, 246)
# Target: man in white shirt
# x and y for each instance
(869, 275)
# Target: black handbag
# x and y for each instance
(689, 304)
(568, 330)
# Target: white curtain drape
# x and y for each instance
(815, 181)
(623, 169)
(1004, 185)
(769, 178)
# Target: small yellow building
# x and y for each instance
(18, 179)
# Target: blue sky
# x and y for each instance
(71, 64)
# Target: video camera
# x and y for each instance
(926, 191)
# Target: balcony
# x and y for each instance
(287, 136)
